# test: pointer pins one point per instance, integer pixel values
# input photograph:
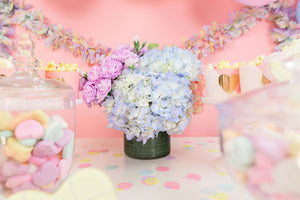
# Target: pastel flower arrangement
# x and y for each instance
(144, 90)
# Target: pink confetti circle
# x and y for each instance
(211, 141)
(192, 176)
(84, 165)
(172, 185)
(187, 142)
(162, 169)
(103, 150)
(124, 186)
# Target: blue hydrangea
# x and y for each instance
(154, 97)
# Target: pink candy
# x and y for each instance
(29, 129)
(45, 148)
(17, 180)
(47, 174)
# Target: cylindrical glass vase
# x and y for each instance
(154, 148)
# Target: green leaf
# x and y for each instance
(144, 44)
(85, 76)
(131, 67)
(153, 46)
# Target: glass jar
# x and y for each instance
(260, 140)
(37, 126)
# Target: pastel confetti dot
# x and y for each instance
(172, 185)
(85, 165)
(209, 191)
(212, 150)
(202, 144)
(85, 160)
(211, 141)
(226, 187)
(187, 145)
(146, 172)
(118, 155)
(93, 152)
(219, 196)
(84, 146)
(76, 155)
(124, 186)
(187, 142)
(170, 157)
(150, 180)
(112, 167)
(222, 174)
(162, 169)
(188, 148)
(193, 176)
(103, 150)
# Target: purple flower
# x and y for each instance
(110, 69)
(103, 87)
(88, 92)
(93, 75)
(82, 82)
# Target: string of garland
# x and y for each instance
(211, 37)
(215, 36)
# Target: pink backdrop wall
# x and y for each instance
(164, 21)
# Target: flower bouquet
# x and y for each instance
(146, 93)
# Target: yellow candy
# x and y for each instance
(20, 157)
(40, 116)
(5, 119)
(20, 118)
(16, 147)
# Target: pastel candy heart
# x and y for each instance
(15, 146)
(28, 186)
(40, 116)
(240, 152)
(17, 180)
(28, 142)
(68, 135)
(68, 149)
(5, 119)
(37, 160)
(274, 149)
(44, 148)
(46, 175)
(64, 168)
(22, 157)
(54, 132)
(6, 134)
(59, 119)
(18, 119)
(11, 168)
(29, 129)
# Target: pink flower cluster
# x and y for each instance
(96, 84)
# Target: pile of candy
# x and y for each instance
(261, 141)
(36, 151)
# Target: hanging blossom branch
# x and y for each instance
(215, 36)
(7, 30)
(286, 28)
